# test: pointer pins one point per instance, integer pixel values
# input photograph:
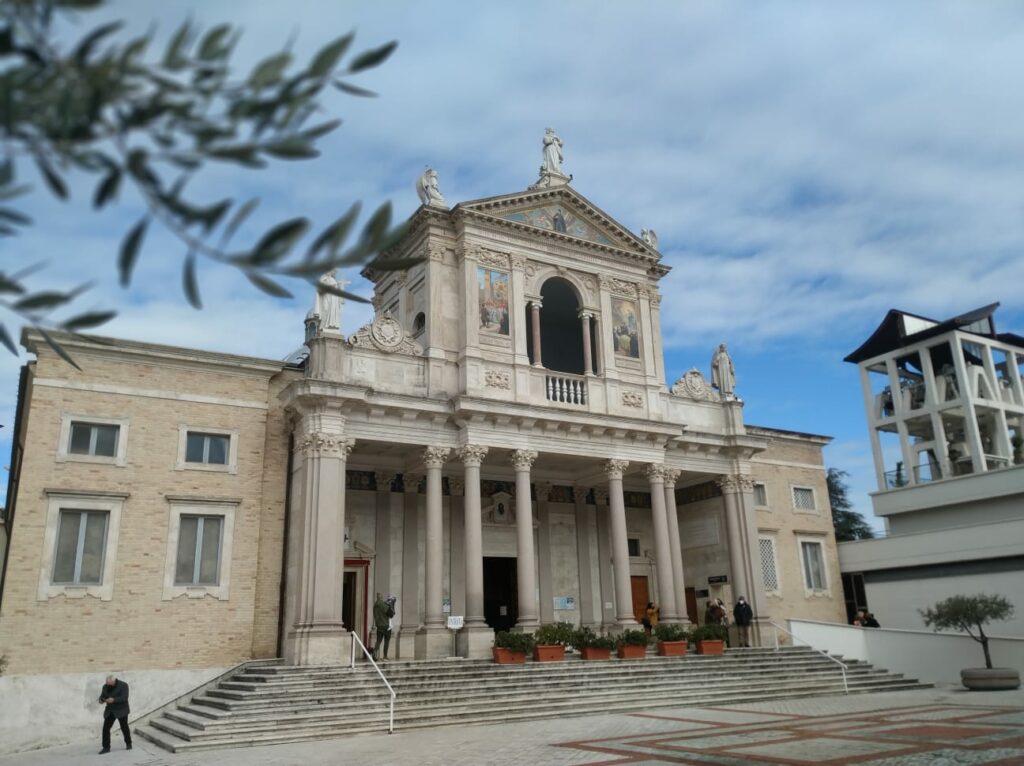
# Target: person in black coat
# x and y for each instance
(743, 615)
(115, 697)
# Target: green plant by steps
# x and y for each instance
(554, 633)
(586, 638)
(514, 642)
(633, 638)
(709, 633)
(666, 632)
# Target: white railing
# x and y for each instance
(352, 664)
(843, 666)
(566, 389)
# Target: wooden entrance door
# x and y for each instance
(641, 595)
(691, 605)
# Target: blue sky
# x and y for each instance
(806, 166)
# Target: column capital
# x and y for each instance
(600, 496)
(456, 487)
(585, 314)
(655, 472)
(411, 482)
(731, 484)
(615, 468)
(472, 454)
(385, 480)
(523, 459)
(536, 303)
(671, 476)
(435, 457)
(318, 444)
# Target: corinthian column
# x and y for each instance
(620, 544)
(433, 640)
(317, 635)
(662, 549)
(675, 544)
(526, 568)
(474, 640)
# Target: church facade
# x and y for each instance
(499, 444)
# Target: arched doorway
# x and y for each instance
(561, 339)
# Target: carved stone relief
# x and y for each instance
(693, 385)
(498, 378)
(386, 334)
(632, 399)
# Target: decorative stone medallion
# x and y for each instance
(693, 385)
(386, 334)
(632, 399)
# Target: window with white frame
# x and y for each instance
(80, 544)
(207, 449)
(198, 561)
(199, 543)
(92, 440)
(769, 566)
(803, 499)
(813, 557)
(760, 495)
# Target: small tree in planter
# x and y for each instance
(672, 639)
(551, 641)
(710, 639)
(592, 646)
(970, 614)
(632, 644)
(511, 648)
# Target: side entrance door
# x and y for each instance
(641, 595)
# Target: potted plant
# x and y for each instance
(592, 646)
(970, 614)
(551, 641)
(511, 648)
(710, 639)
(632, 644)
(672, 639)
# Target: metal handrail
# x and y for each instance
(842, 665)
(352, 665)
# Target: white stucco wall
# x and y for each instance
(926, 656)
(57, 709)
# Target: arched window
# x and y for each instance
(561, 339)
(419, 323)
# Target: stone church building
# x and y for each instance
(501, 443)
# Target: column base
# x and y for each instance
(404, 644)
(620, 625)
(318, 645)
(526, 626)
(474, 642)
(433, 643)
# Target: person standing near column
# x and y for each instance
(743, 615)
(114, 696)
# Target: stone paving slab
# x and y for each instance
(933, 727)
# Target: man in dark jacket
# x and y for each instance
(115, 697)
(743, 615)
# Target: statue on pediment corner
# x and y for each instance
(428, 191)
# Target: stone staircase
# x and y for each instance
(267, 704)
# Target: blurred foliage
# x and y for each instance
(149, 122)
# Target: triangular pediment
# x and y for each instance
(563, 211)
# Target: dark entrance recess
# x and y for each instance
(854, 595)
(501, 599)
(561, 335)
(348, 600)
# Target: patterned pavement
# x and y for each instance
(930, 727)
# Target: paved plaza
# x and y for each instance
(937, 727)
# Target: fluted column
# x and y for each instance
(434, 459)
(588, 362)
(526, 567)
(736, 532)
(535, 306)
(675, 543)
(620, 543)
(662, 549)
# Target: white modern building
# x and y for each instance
(945, 409)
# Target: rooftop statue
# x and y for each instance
(328, 305)
(551, 173)
(650, 238)
(723, 374)
(426, 187)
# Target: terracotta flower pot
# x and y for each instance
(671, 648)
(504, 656)
(593, 653)
(632, 652)
(711, 647)
(549, 653)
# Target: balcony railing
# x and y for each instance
(566, 389)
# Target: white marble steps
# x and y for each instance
(272, 704)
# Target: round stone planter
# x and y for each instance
(990, 679)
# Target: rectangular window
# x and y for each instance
(93, 439)
(814, 565)
(760, 495)
(211, 449)
(81, 537)
(768, 569)
(803, 498)
(634, 546)
(198, 560)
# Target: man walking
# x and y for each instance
(743, 615)
(383, 611)
(115, 698)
